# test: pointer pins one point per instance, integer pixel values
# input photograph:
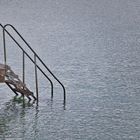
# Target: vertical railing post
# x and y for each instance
(36, 77)
(4, 45)
(23, 68)
(64, 95)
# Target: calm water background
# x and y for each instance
(93, 47)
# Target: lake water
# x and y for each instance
(93, 47)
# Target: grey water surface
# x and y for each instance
(93, 47)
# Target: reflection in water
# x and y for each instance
(13, 111)
(20, 119)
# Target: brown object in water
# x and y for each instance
(2, 73)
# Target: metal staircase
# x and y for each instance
(13, 81)
(16, 85)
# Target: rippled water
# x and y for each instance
(93, 47)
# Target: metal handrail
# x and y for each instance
(35, 56)
(30, 59)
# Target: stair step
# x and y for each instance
(26, 92)
(18, 84)
(2, 78)
(3, 70)
(15, 84)
(11, 74)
